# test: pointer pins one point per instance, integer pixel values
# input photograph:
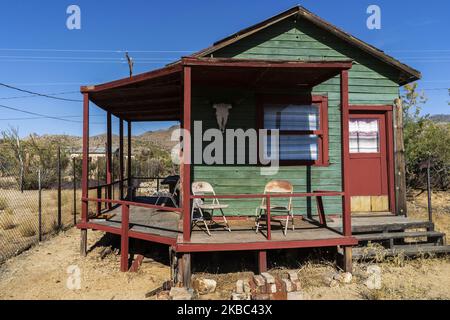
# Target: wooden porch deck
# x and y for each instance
(145, 223)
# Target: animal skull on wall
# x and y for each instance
(222, 112)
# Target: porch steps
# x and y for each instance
(392, 227)
(397, 235)
(409, 251)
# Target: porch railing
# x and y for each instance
(316, 194)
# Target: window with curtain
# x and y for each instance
(364, 136)
(300, 129)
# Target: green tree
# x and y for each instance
(424, 140)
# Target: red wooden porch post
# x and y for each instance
(186, 176)
(121, 158)
(109, 157)
(124, 239)
(262, 261)
(85, 173)
(346, 211)
(129, 191)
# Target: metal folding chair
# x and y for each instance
(168, 194)
(276, 186)
(203, 188)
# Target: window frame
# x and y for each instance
(322, 134)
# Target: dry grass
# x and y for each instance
(417, 209)
(7, 223)
(20, 229)
(27, 230)
(3, 203)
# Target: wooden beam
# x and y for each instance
(347, 260)
(121, 156)
(109, 155)
(400, 163)
(186, 270)
(254, 63)
(124, 239)
(262, 261)
(135, 79)
(85, 174)
(186, 174)
(116, 103)
(160, 111)
(346, 210)
(129, 176)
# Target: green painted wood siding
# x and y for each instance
(370, 82)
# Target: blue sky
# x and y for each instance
(38, 53)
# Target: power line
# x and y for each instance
(32, 96)
(38, 94)
(95, 50)
(41, 116)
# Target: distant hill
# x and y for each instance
(159, 139)
(440, 118)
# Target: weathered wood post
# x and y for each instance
(59, 188)
(346, 210)
(109, 157)
(129, 175)
(85, 174)
(124, 242)
(39, 205)
(262, 261)
(430, 208)
(399, 157)
(121, 165)
(74, 190)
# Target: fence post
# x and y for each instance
(430, 208)
(74, 191)
(59, 188)
(39, 205)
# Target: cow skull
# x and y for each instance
(222, 112)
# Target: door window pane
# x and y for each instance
(364, 136)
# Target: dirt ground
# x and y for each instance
(43, 272)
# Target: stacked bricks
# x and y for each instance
(269, 287)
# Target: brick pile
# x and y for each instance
(269, 287)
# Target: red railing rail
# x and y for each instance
(317, 194)
(131, 203)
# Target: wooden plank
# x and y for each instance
(379, 203)
(398, 235)
(409, 251)
(361, 204)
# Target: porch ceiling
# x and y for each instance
(152, 96)
(157, 95)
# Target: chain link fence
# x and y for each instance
(37, 203)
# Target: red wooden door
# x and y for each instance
(368, 169)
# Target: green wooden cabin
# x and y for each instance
(374, 80)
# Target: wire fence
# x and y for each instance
(34, 206)
(40, 191)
